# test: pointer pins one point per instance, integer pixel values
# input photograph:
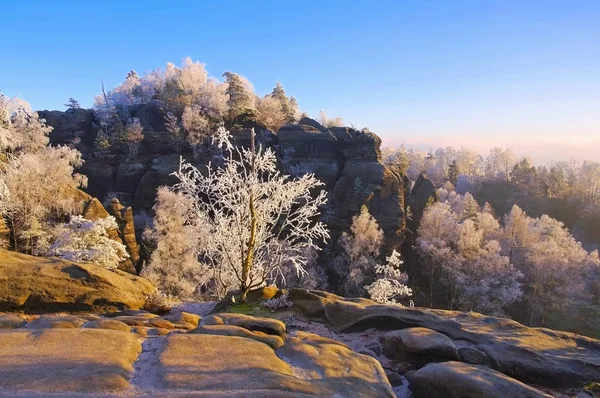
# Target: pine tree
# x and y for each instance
(241, 97)
(453, 172)
(284, 102)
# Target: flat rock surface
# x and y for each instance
(66, 360)
(107, 356)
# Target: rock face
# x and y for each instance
(531, 355)
(349, 163)
(158, 174)
(346, 160)
(71, 126)
(458, 380)
(36, 284)
(4, 233)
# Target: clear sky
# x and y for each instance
(524, 74)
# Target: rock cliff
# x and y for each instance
(346, 160)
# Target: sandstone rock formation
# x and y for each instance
(94, 210)
(458, 380)
(124, 217)
(532, 355)
(42, 362)
(349, 163)
(346, 160)
(4, 233)
(419, 345)
(104, 356)
(37, 284)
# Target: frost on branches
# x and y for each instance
(461, 256)
(391, 282)
(256, 218)
(86, 241)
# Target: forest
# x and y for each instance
(499, 236)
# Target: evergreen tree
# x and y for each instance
(284, 102)
(73, 104)
(453, 172)
(241, 96)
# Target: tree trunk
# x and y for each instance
(248, 260)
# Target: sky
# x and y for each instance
(478, 74)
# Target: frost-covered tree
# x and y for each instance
(553, 262)
(175, 129)
(133, 134)
(37, 180)
(461, 256)
(86, 241)
(256, 219)
(356, 264)
(329, 122)
(174, 267)
(314, 277)
(397, 159)
(21, 129)
(288, 106)
(270, 113)
(390, 284)
(197, 127)
(240, 93)
(499, 163)
(294, 110)
(40, 186)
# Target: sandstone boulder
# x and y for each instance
(184, 317)
(11, 321)
(128, 177)
(456, 379)
(38, 284)
(230, 330)
(265, 325)
(56, 322)
(237, 366)
(420, 345)
(110, 324)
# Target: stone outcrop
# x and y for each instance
(124, 217)
(125, 233)
(4, 233)
(74, 126)
(418, 345)
(532, 355)
(349, 163)
(37, 284)
(346, 160)
(158, 174)
(459, 380)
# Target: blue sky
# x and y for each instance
(524, 74)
